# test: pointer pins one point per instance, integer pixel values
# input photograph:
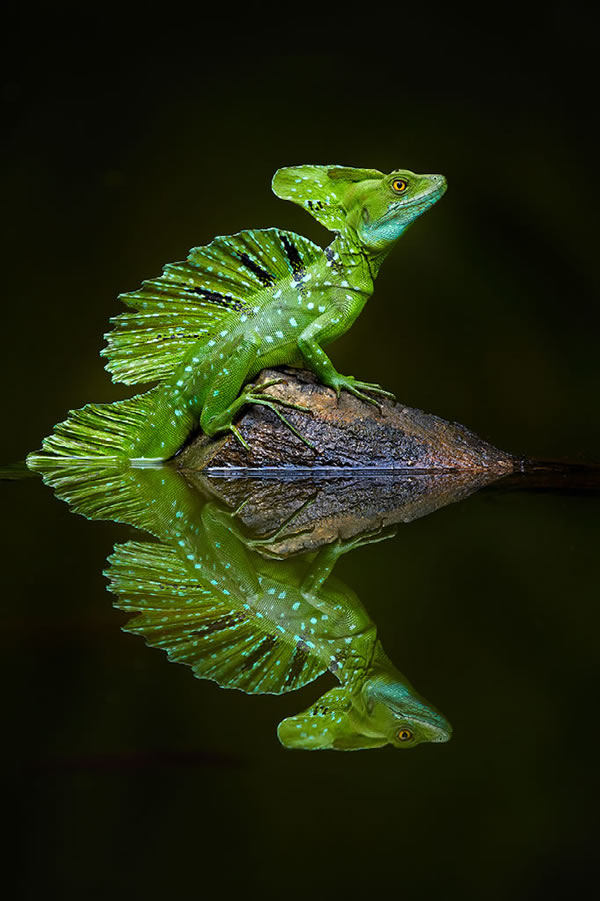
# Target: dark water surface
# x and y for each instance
(132, 774)
(128, 777)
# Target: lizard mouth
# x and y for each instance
(425, 198)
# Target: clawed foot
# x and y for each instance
(374, 536)
(255, 395)
(358, 388)
(228, 517)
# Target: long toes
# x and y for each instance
(364, 397)
(375, 389)
(269, 384)
(379, 390)
(302, 409)
(286, 422)
(239, 437)
(370, 400)
(383, 393)
(252, 398)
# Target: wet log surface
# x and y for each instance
(345, 433)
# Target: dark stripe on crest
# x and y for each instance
(229, 621)
(293, 255)
(263, 650)
(221, 300)
(335, 264)
(264, 277)
(174, 336)
(299, 659)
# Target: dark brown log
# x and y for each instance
(346, 434)
(296, 513)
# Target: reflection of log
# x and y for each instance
(305, 512)
(348, 433)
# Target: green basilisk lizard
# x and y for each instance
(208, 325)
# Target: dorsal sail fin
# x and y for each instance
(220, 638)
(191, 299)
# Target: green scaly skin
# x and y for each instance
(287, 322)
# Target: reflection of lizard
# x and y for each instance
(260, 625)
(240, 304)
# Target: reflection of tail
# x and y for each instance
(104, 488)
(121, 430)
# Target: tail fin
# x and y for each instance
(101, 431)
(10, 472)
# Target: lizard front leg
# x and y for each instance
(309, 344)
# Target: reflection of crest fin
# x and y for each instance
(197, 624)
(328, 723)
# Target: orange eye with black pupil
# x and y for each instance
(405, 735)
(399, 185)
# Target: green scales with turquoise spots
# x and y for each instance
(208, 325)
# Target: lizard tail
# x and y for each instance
(127, 429)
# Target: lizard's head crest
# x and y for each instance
(385, 709)
(377, 207)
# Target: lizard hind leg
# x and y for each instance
(223, 400)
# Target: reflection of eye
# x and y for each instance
(399, 185)
(405, 735)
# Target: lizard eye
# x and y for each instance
(405, 735)
(399, 185)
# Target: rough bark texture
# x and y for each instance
(346, 433)
(298, 513)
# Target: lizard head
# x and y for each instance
(399, 712)
(384, 709)
(376, 207)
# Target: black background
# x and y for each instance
(122, 152)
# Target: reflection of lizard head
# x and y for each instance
(374, 207)
(384, 710)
